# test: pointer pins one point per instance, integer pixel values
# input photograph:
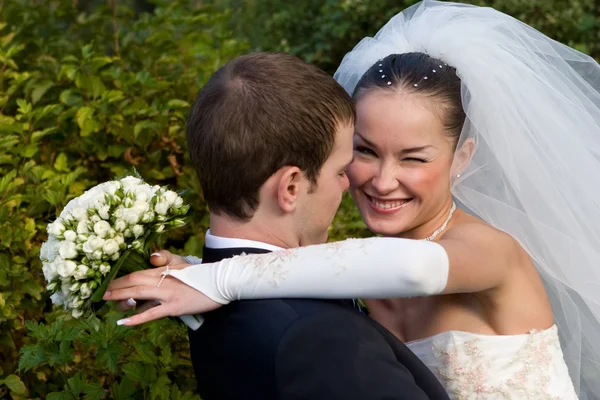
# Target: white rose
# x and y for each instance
(119, 212)
(103, 212)
(57, 299)
(112, 187)
(127, 233)
(120, 225)
(70, 235)
(95, 218)
(76, 313)
(82, 227)
(56, 228)
(76, 303)
(51, 286)
(104, 269)
(101, 228)
(131, 216)
(79, 213)
(127, 202)
(82, 237)
(130, 182)
(65, 268)
(81, 272)
(49, 270)
(143, 193)
(178, 203)
(115, 257)
(85, 291)
(67, 250)
(75, 286)
(148, 217)
(137, 230)
(120, 239)
(170, 197)
(49, 249)
(97, 255)
(140, 206)
(111, 246)
(161, 208)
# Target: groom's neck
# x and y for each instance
(272, 232)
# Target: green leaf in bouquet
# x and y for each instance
(132, 261)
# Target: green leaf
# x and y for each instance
(70, 98)
(30, 150)
(109, 356)
(25, 107)
(32, 355)
(14, 383)
(175, 103)
(38, 135)
(59, 396)
(40, 90)
(97, 296)
(160, 389)
(123, 390)
(89, 126)
(144, 355)
(76, 384)
(137, 372)
(93, 391)
(140, 126)
(62, 163)
(7, 180)
(84, 114)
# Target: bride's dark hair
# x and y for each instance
(420, 74)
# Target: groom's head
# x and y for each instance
(270, 137)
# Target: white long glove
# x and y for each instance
(360, 268)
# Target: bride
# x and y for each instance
(458, 103)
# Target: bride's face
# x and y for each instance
(400, 177)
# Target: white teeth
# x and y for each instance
(388, 204)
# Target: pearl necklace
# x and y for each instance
(441, 228)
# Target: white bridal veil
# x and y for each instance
(533, 108)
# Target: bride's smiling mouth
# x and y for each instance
(386, 206)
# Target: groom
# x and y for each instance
(270, 137)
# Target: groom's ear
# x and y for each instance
(289, 187)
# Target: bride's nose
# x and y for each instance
(385, 179)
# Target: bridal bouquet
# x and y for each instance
(107, 229)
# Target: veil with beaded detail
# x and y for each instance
(533, 109)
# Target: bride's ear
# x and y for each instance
(289, 187)
(462, 157)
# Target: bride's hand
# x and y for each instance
(171, 298)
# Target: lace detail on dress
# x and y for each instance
(273, 266)
(498, 367)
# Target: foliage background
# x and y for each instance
(90, 89)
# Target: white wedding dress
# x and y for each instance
(474, 366)
(470, 366)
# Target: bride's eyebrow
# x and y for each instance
(415, 149)
(361, 137)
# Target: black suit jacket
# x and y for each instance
(292, 349)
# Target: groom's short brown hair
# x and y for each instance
(256, 114)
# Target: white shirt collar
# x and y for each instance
(219, 242)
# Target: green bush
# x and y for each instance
(85, 97)
(90, 89)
